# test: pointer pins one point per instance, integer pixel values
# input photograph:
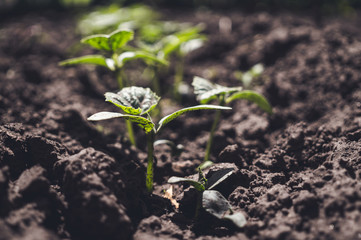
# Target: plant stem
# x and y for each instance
(213, 130)
(120, 78)
(150, 170)
(178, 78)
(155, 81)
(156, 88)
(131, 133)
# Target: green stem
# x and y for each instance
(178, 78)
(131, 133)
(121, 79)
(155, 81)
(156, 87)
(213, 130)
(150, 171)
(119, 76)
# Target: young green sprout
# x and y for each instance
(113, 45)
(114, 17)
(211, 200)
(139, 17)
(169, 38)
(181, 44)
(207, 91)
(247, 78)
(115, 53)
(137, 103)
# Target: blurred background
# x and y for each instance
(346, 8)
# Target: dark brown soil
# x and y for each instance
(297, 172)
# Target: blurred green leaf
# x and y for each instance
(145, 56)
(90, 59)
(198, 186)
(207, 91)
(253, 97)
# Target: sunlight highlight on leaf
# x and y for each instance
(134, 100)
(176, 114)
(88, 59)
(253, 97)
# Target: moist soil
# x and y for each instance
(296, 173)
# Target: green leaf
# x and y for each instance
(176, 114)
(257, 70)
(104, 116)
(253, 97)
(250, 75)
(247, 79)
(205, 165)
(98, 41)
(111, 42)
(218, 177)
(90, 59)
(191, 32)
(119, 38)
(113, 16)
(146, 56)
(122, 103)
(207, 91)
(133, 100)
(198, 186)
(238, 219)
(174, 42)
(171, 44)
(144, 123)
(214, 203)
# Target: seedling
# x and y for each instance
(139, 17)
(114, 17)
(179, 44)
(182, 43)
(116, 55)
(154, 31)
(247, 78)
(137, 103)
(114, 45)
(211, 200)
(207, 91)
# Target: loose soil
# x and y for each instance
(297, 172)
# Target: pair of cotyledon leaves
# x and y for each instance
(182, 42)
(213, 201)
(207, 91)
(112, 43)
(137, 102)
(104, 18)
